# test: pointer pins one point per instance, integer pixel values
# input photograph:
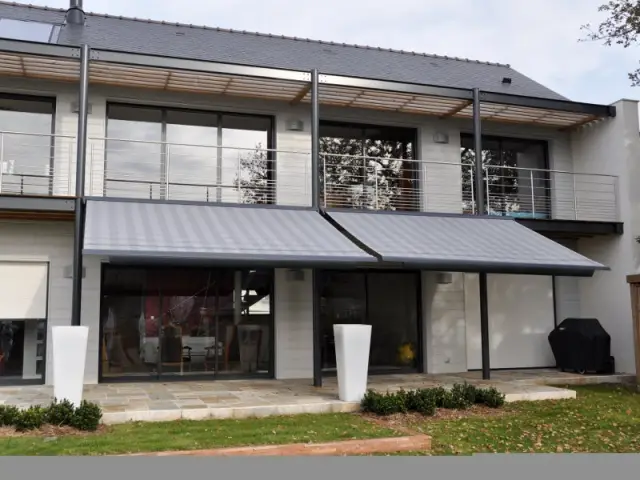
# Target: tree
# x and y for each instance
(621, 27)
(368, 173)
(254, 177)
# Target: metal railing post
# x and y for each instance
(485, 170)
(324, 180)
(533, 197)
(238, 173)
(1, 159)
(376, 190)
(616, 198)
(575, 198)
(473, 191)
(167, 164)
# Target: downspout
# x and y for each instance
(480, 210)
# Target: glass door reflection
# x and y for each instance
(186, 322)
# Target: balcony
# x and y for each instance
(200, 173)
(37, 165)
(448, 187)
(40, 165)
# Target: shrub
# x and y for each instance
(439, 395)
(87, 416)
(492, 398)
(30, 419)
(8, 415)
(470, 392)
(423, 401)
(59, 413)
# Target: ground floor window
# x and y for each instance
(388, 301)
(166, 322)
(22, 350)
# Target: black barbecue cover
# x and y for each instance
(581, 344)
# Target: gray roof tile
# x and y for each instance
(211, 44)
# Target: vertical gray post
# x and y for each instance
(480, 210)
(315, 141)
(315, 203)
(81, 154)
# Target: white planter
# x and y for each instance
(69, 355)
(352, 360)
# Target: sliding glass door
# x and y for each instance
(186, 322)
(388, 301)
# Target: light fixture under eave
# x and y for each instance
(444, 278)
(440, 137)
(295, 275)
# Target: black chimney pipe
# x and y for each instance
(75, 13)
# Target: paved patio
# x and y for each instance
(156, 401)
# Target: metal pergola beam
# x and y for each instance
(400, 87)
(43, 49)
(159, 61)
(156, 61)
(548, 104)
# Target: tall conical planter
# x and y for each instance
(69, 355)
(352, 343)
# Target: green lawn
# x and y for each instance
(194, 435)
(603, 419)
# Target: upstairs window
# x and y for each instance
(368, 167)
(28, 31)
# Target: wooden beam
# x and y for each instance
(457, 109)
(634, 286)
(589, 119)
(301, 94)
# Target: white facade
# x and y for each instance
(522, 310)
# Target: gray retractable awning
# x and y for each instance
(255, 235)
(461, 243)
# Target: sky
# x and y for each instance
(538, 38)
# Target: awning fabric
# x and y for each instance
(461, 243)
(257, 235)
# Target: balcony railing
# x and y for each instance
(203, 173)
(377, 183)
(36, 164)
(44, 165)
(550, 194)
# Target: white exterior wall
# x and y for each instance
(612, 147)
(293, 326)
(444, 324)
(53, 243)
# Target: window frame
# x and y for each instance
(412, 137)
(219, 114)
(52, 101)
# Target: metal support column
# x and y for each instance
(317, 330)
(480, 210)
(81, 153)
(315, 203)
(315, 141)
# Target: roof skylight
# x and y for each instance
(28, 31)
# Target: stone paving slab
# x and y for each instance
(163, 401)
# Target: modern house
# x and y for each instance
(211, 202)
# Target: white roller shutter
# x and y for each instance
(23, 290)
(521, 316)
